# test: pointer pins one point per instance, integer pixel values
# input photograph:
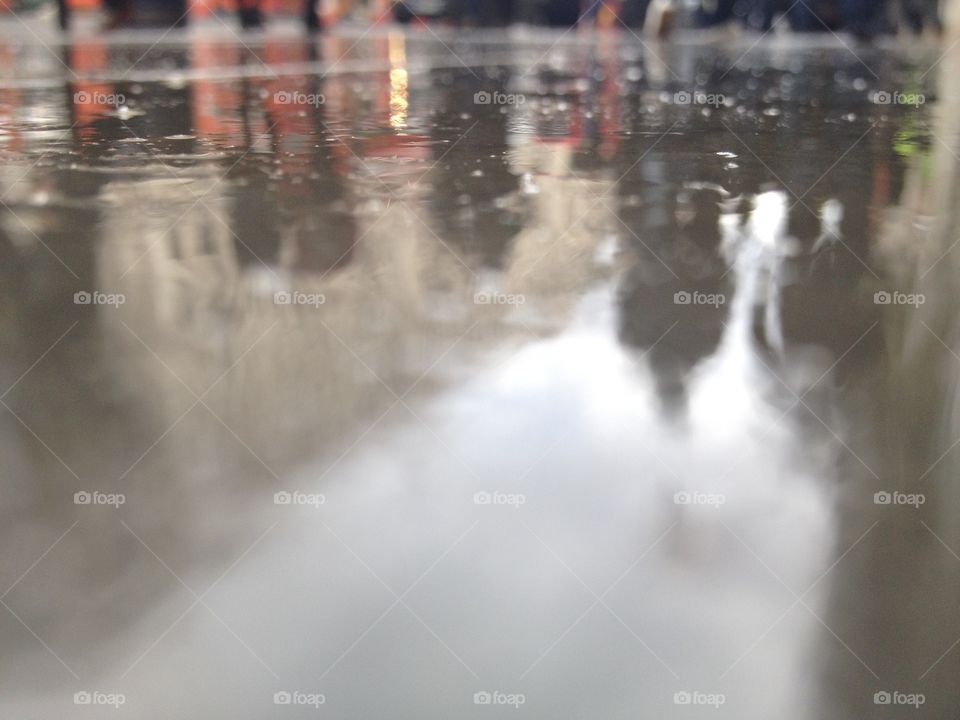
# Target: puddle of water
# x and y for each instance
(584, 374)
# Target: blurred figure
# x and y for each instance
(815, 16)
(656, 16)
(552, 13)
(251, 16)
(920, 15)
(475, 204)
(714, 12)
(249, 13)
(561, 13)
(865, 18)
(674, 249)
(810, 16)
(633, 13)
(406, 12)
(119, 13)
(300, 222)
(488, 13)
(670, 262)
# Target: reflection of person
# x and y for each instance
(471, 198)
(554, 13)
(824, 299)
(669, 257)
(919, 15)
(251, 15)
(633, 13)
(809, 16)
(864, 18)
(119, 13)
(673, 301)
(485, 13)
(301, 220)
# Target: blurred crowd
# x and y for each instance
(863, 18)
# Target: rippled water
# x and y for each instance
(401, 368)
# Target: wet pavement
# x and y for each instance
(435, 376)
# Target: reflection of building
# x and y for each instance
(193, 301)
(556, 256)
(952, 16)
(199, 260)
(894, 597)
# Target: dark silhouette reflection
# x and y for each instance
(103, 113)
(290, 208)
(672, 306)
(485, 13)
(474, 198)
(674, 298)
